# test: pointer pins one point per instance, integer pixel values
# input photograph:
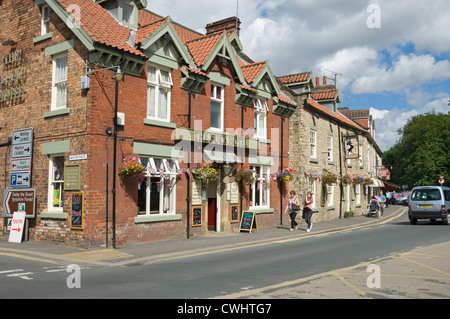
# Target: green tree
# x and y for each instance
(422, 153)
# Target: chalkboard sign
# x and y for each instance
(248, 221)
(77, 210)
(234, 213)
(196, 215)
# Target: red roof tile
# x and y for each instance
(100, 26)
(338, 116)
(251, 71)
(201, 48)
(325, 95)
(144, 32)
(295, 78)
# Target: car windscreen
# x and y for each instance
(426, 194)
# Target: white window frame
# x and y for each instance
(330, 195)
(361, 156)
(45, 19)
(330, 148)
(313, 143)
(260, 179)
(56, 83)
(261, 111)
(220, 100)
(159, 83)
(312, 189)
(167, 196)
(52, 184)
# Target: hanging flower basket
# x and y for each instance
(346, 179)
(329, 178)
(367, 181)
(244, 175)
(357, 180)
(205, 173)
(286, 174)
(132, 167)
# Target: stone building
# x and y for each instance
(323, 141)
(108, 86)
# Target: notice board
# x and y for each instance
(234, 213)
(248, 221)
(77, 210)
(196, 212)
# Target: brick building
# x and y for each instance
(100, 82)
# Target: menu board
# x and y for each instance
(72, 177)
(234, 213)
(196, 193)
(248, 221)
(196, 215)
(234, 193)
(77, 210)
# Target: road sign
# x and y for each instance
(17, 200)
(17, 226)
(21, 164)
(22, 150)
(22, 136)
(20, 179)
(441, 180)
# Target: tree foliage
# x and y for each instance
(422, 153)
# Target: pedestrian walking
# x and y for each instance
(394, 198)
(292, 201)
(382, 201)
(388, 196)
(307, 210)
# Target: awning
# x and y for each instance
(220, 156)
(377, 182)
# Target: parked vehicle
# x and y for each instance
(403, 200)
(429, 202)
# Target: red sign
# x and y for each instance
(441, 181)
(384, 173)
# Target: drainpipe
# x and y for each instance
(341, 188)
(242, 183)
(281, 163)
(188, 229)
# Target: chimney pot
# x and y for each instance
(317, 81)
(324, 80)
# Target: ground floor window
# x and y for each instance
(260, 189)
(157, 193)
(312, 189)
(330, 195)
(56, 183)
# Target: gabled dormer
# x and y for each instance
(124, 11)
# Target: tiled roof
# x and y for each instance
(284, 99)
(324, 95)
(202, 47)
(338, 116)
(100, 26)
(251, 71)
(295, 78)
(144, 32)
(147, 17)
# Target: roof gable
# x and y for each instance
(259, 73)
(154, 32)
(206, 49)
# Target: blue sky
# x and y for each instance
(393, 55)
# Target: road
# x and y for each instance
(299, 268)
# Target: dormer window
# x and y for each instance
(124, 11)
(45, 19)
(128, 14)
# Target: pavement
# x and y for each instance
(147, 253)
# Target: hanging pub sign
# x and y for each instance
(351, 146)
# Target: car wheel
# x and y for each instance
(445, 220)
(413, 221)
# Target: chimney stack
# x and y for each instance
(228, 24)
(317, 81)
(324, 80)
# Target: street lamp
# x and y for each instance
(118, 76)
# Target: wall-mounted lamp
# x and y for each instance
(118, 75)
(9, 42)
(108, 131)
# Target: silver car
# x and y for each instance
(429, 202)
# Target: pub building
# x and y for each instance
(143, 129)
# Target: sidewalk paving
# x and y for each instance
(144, 253)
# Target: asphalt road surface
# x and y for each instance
(318, 266)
